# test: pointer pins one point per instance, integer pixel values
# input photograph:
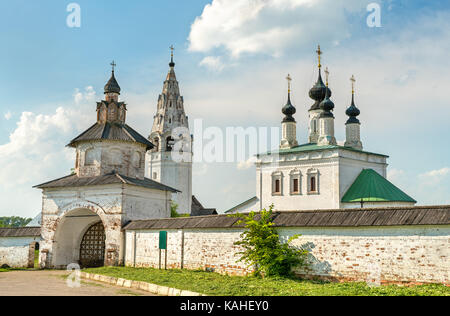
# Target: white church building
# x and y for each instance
(320, 174)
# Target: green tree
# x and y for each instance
(174, 213)
(14, 221)
(263, 249)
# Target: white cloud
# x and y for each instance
(8, 115)
(436, 174)
(36, 153)
(213, 63)
(88, 96)
(268, 26)
(244, 165)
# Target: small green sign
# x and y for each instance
(163, 240)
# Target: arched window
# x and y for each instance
(313, 181)
(277, 183)
(169, 143)
(89, 157)
(295, 180)
(156, 143)
(313, 184)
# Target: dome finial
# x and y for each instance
(353, 80)
(113, 64)
(289, 79)
(172, 64)
(319, 53)
(327, 75)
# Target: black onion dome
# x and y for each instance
(289, 110)
(112, 86)
(352, 112)
(327, 106)
(171, 64)
(318, 92)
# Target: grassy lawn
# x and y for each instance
(216, 284)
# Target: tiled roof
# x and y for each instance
(370, 186)
(401, 216)
(112, 178)
(111, 131)
(20, 232)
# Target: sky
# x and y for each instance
(232, 57)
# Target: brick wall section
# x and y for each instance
(17, 252)
(401, 254)
(15, 257)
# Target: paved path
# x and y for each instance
(53, 283)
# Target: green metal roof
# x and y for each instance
(315, 147)
(370, 186)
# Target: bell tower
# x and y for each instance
(170, 162)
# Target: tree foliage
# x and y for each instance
(14, 221)
(263, 249)
(174, 211)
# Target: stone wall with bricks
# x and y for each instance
(17, 252)
(396, 254)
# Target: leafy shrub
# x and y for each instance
(263, 249)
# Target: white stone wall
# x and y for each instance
(393, 254)
(15, 251)
(404, 254)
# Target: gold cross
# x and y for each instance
(113, 64)
(171, 49)
(289, 79)
(327, 74)
(319, 52)
(353, 80)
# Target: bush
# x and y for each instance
(263, 249)
(174, 211)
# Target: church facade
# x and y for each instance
(321, 174)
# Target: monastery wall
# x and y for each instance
(17, 252)
(399, 254)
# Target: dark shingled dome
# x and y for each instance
(353, 112)
(318, 92)
(289, 110)
(112, 86)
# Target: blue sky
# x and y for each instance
(232, 58)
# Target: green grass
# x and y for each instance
(4, 270)
(36, 259)
(216, 284)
